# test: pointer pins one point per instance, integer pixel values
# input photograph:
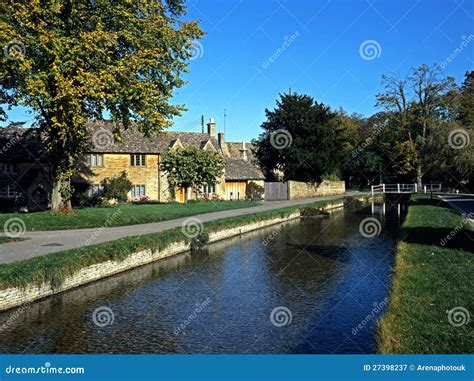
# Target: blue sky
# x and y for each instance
(322, 55)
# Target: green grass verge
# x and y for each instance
(121, 215)
(54, 268)
(431, 278)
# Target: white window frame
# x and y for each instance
(141, 190)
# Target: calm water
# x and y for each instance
(320, 277)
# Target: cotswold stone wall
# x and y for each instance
(15, 297)
(298, 190)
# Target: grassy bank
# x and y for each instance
(121, 215)
(55, 267)
(433, 275)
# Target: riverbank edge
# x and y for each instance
(430, 285)
(41, 277)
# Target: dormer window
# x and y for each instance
(137, 160)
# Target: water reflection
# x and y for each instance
(219, 300)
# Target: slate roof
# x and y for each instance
(133, 140)
(237, 169)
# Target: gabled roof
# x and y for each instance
(133, 140)
(238, 169)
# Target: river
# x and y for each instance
(314, 285)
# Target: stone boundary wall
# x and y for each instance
(14, 297)
(298, 190)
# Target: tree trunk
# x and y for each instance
(419, 176)
(58, 202)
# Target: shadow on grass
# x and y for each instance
(462, 239)
(455, 237)
(432, 202)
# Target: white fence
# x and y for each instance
(404, 188)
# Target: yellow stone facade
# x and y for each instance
(155, 181)
(115, 163)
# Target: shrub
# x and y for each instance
(351, 202)
(254, 191)
(116, 187)
(200, 241)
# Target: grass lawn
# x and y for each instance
(431, 279)
(126, 214)
(55, 267)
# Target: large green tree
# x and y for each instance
(71, 60)
(192, 168)
(416, 104)
(300, 140)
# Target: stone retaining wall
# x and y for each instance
(14, 297)
(299, 190)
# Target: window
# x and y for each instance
(9, 168)
(138, 191)
(209, 189)
(95, 160)
(8, 191)
(95, 190)
(137, 160)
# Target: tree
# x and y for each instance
(416, 103)
(71, 60)
(116, 187)
(300, 140)
(192, 167)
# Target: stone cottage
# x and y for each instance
(24, 172)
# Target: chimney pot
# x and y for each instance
(211, 127)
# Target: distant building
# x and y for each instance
(25, 173)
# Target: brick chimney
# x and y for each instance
(220, 140)
(243, 152)
(211, 128)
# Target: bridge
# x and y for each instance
(404, 188)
